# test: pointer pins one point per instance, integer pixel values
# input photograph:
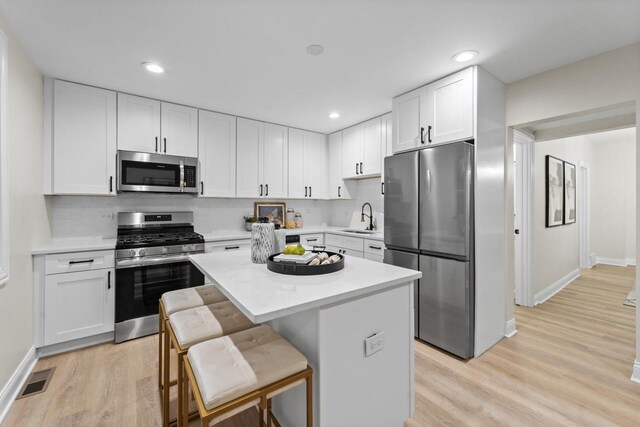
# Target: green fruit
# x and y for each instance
(290, 250)
(300, 249)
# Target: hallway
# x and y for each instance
(569, 364)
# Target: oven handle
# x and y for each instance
(141, 262)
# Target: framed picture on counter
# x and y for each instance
(275, 212)
(554, 191)
(569, 193)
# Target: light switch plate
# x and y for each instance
(374, 344)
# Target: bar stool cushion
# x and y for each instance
(183, 299)
(206, 322)
(228, 367)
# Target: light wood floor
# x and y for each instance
(569, 364)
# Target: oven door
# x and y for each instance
(138, 290)
(149, 172)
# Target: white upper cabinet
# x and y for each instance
(151, 126)
(409, 116)
(337, 188)
(250, 137)
(307, 165)
(438, 113)
(217, 154)
(317, 165)
(274, 155)
(82, 150)
(179, 130)
(450, 109)
(138, 124)
(361, 146)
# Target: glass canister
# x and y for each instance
(298, 219)
(290, 219)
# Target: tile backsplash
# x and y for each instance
(84, 216)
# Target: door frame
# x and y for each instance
(523, 249)
(583, 210)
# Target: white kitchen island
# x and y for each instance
(328, 318)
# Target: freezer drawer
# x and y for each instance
(446, 305)
(407, 260)
(446, 200)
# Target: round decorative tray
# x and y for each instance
(303, 269)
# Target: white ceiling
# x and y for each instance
(247, 57)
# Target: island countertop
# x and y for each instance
(263, 295)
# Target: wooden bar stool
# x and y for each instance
(232, 373)
(172, 302)
(195, 325)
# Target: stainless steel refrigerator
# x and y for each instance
(428, 226)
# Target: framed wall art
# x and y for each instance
(274, 212)
(569, 193)
(554, 191)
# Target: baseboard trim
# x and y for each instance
(550, 291)
(635, 376)
(10, 391)
(510, 328)
(64, 347)
(620, 262)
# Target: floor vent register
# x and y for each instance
(36, 383)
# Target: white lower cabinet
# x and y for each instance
(355, 246)
(227, 245)
(312, 239)
(78, 305)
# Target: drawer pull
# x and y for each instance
(375, 247)
(226, 248)
(108, 279)
(86, 261)
(312, 240)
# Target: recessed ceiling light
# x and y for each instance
(464, 56)
(315, 49)
(334, 115)
(154, 68)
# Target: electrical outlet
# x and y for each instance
(374, 344)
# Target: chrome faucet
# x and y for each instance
(362, 215)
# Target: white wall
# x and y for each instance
(28, 208)
(612, 191)
(97, 216)
(556, 250)
(611, 78)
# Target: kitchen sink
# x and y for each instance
(366, 232)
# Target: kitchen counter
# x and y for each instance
(263, 295)
(82, 244)
(329, 318)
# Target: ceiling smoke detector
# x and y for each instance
(315, 49)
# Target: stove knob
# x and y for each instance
(141, 252)
(132, 253)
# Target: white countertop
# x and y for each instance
(57, 246)
(263, 295)
(97, 243)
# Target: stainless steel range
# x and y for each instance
(152, 258)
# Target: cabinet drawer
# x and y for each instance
(350, 252)
(374, 247)
(78, 261)
(345, 242)
(373, 257)
(312, 239)
(227, 245)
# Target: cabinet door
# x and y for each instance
(450, 109)
(275, 160)
(250, 136)
(351, 150)
(217, 154)
(78, 305)
(317, 165)
(409, 116)
(84, 140)
(138, 124)
(179, 130)
(336, 188)
(298, 188)
(371, 146)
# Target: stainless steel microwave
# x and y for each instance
(158, 173)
